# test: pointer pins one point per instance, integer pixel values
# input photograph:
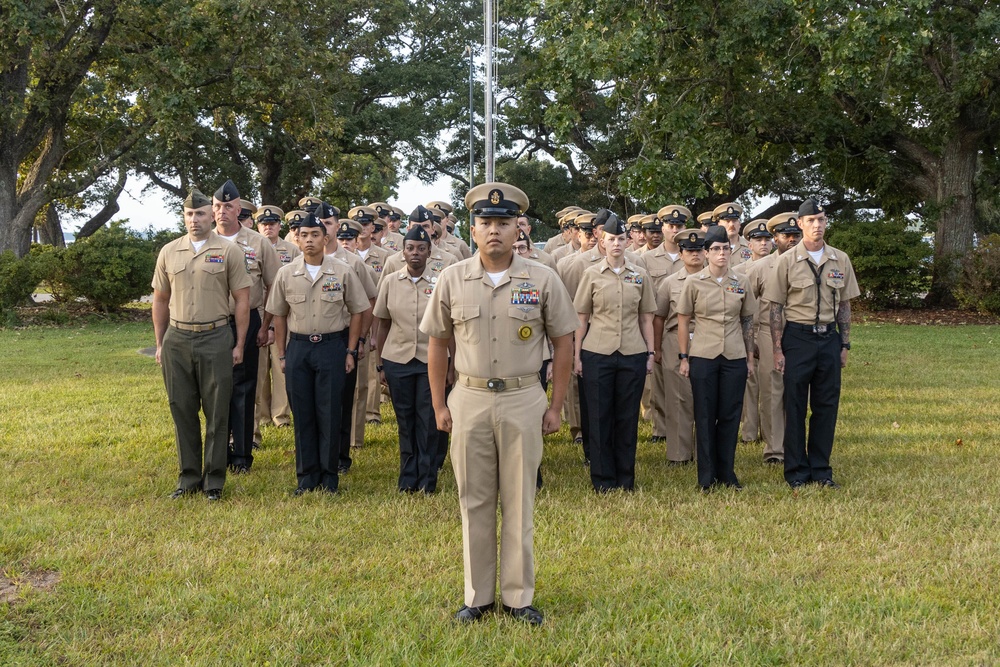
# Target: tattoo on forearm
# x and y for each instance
(747, 324)
(844, 321)
(777, 323)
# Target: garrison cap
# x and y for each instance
(417, 233)
(707, 219)
(309, 221)
(756, 229)
(496, 200)
(443, 205)
(362, 214)
(674, 215)
(309, 204)
(227, 192)
(690, 239)
(324, 210)
(784, 223)
(268, 213)
(247, 208)
(811, 206)
(612, 223)
(196, 199)
(602, 217)
(715, 234)
(349, 229)
(396, 214)
(563, 211)
(729, 210)
(585, 220)
(420, 214)
(381, 208)
(651, 223)
(295, 218)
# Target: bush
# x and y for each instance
(979, 286)
(890, 260)
(48, 265)
(16, 280)
(110, 268)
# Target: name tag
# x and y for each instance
(215, 259)
(524, 295)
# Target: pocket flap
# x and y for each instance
(465, 313)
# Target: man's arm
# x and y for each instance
(353, 333)
(844, 325)
(777, 324)
(746, 324)
(161, 319)
(242, 298)
(578, 346)
(562, 358)
(437, 370)
(280, 338)
(658, 324)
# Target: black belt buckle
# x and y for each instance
(496, 384)
(821, 328)
(315, 338)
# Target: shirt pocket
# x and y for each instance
(295, 299)
(525, 326)
(336, 296)
(467, 323)
(835, 283)
(801, 285)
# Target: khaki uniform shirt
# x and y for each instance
(436, 263)
(375, 261)
(454, 243)
(571, 268)
(668, 294)
(542, 258)
(200, 283)
(392, 242)
(500, 331)
(404, 302)
(793, 284)
(740, 253)
(554, 243)
(659, 265)
(757, 273)
(614, 302)
(321, 305)
(286, 250)
(354, 261)
(565, 250)
(262, 263)
(717, 308)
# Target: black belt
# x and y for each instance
(819, 329)
(316, 338)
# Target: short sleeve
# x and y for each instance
(276, 302)
(776, 287)
(851, 288)
(685, 303)
(236, 268)
(437, 320)
(647, 301)
(160, 281)
(382, 300)
(583, 302)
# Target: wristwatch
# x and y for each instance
(353, 353)
(378, 368)
(845, 346)
(682, 355)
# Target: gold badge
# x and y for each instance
(496, 197)
(524, 333)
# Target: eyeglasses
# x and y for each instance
(435, 236)
(521, 248)
(718, 249)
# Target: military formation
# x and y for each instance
(714, 328)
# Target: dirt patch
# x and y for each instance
(39, 580)
(924, 317)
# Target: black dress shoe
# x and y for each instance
(300, 491)
(239, 469)
(657, 438)
(179, 493)
(469, 614)
(527, 614)
(773, 460)
(797, 484)
(343, 469)
(827, 483)
(214, 494)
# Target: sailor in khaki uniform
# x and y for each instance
(771, 389)
(722, 306)
(728, 216)
(564, 236)
(637, 238)
(759, 241)
(272, 401)
(195, 277)
(317, 304)
(706, 220)
(402, 298)
(393, 239)
(572, 247)
(262, 262)
(439, 259)
(811, 287)
(499, 308)
(613, 355)
(247, 212)
(678, 404)
(374, 258)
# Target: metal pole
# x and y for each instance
(472, 132)
(488, 7)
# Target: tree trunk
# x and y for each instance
(15, 227)
(51, 232)
(955, 202)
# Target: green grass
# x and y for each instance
(898, 567)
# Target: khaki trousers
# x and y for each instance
(658, 380)
(571, 408)
(272, 399)
(360, 403)
(750, 420)
(496, 448)
(772, 398)
(678, 403)
(373, 406)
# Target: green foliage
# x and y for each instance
(110, 268)
(48, 265)
(16, 284)
(979, 288)
(889, 258)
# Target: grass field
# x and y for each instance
(900, 566)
